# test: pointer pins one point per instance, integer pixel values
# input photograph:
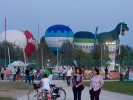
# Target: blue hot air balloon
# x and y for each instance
(56, 35)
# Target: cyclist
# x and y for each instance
(45, 82)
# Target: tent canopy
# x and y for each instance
(19, 63)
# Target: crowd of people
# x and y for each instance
(74, 77)
(28, 74)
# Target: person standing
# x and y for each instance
(14, 72)
(2, 73)
(96, 83)
(27, 72)
(77, 83)
(5, 74)
(64, 73)
(106, 73)
(39, 74)
(69, 72)
(32, 75)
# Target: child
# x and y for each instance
(45, 82)
(11, 77)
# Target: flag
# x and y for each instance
(95, 38)
(75, 63)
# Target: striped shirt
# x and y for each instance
(96, 82)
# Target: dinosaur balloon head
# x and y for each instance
(122, 27)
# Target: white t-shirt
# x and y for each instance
(50, 77)
(14, 70)
(69, 72)
(46, 84)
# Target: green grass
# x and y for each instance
(7, 86)
(6, 98)
(125, 87)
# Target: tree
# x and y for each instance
(16, 53)
(43, 52)
(125, 56)
(66, 53)
(101, 55)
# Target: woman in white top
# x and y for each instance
(96, 83)
(45, 82)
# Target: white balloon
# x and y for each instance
(14, 36)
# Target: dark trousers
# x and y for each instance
(106, 78)
(77, 93)
(32, 79)
(2, 76)
(28, 78)
(94, 95)
(14, 77)
(68, 80)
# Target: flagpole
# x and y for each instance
(38, 34)
(24, 56)
(42, 56)
(5, 41)
(9, 55)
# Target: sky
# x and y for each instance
(79, 15)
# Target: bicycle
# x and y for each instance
(57, 93)
(34, 94)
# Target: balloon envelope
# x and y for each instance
(15, 37)
(56, 35)
(84, 40)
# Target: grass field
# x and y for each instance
(6, 98)
(7, 89)
(125, 87)
(14, 86)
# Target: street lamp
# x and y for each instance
(48, 62)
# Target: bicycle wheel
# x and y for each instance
(60, 96)
(33, 95)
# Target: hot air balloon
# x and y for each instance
(84, 40)
(14, 36)
(23, 39)
(31, 43)
(56, 35)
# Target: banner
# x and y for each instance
(130, 76)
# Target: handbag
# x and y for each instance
(81, 87)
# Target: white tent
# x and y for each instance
(19, 63)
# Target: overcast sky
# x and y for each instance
(80, 15)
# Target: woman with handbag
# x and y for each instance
(77, 83)
(96, 83)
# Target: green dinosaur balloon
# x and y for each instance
(113, 35)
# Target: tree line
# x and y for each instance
(66, 56)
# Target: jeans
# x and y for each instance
(77, 93)
(68, 80)
(14, 77)
(32, 79)
(28, 78)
